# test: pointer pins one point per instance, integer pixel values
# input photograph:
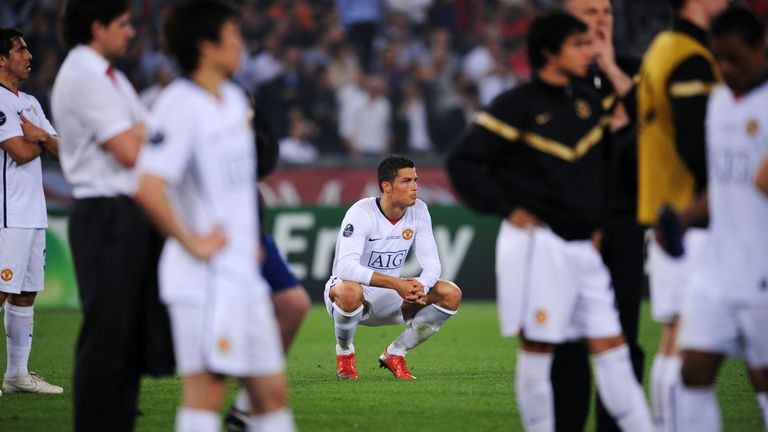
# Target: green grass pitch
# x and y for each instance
(465, 376)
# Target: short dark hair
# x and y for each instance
(193, 22)
(390, 166)
(742, 22)
(7, 36)
(79, 15)
(548, 33)
(676, 5)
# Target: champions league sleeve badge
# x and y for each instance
(348, 230)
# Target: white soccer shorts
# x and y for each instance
(551, 289)
(381, 306)
(669, 277)
(226, 336)
(710, 324)
(22, 260)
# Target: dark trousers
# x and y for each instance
(622, 250)
(125, 330)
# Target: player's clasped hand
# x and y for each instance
(31, 132)
(413, 292)
(204, 247)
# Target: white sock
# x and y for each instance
(698, 409)
(425, 323)
(658, 371)
(18, 330)
(620, 392)
(195, 420)
(276, 421)
(242, 402)
(533, 390)
(345, 325)
(762, 401)
(673, 384)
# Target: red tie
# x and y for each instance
(111, 74)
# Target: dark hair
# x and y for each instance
(548, 33)
(742, 22)
(79, 15)
(7, 36)
(390, 166)
(676, 5)
(193, 22)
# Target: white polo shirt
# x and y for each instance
(23, 200)
(203, 146)
(89, 108)
(737, 144)
(369, 242)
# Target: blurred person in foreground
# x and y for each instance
(536, 157)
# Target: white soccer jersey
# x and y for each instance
(737, 143)
(369, 242)
(22, 194)
(203, 147)
(90, 108)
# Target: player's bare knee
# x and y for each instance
(268, 394)
(531, 346)
(24, 299)
(598, 345)
(448, 294)
(347, 295)
(295, 302)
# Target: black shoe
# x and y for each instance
(236, 420)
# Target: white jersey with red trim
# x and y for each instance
(23, 200)
(737, 144)
(369, 242)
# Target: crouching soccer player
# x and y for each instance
(536, 157)
(729, 312)
(365, 286)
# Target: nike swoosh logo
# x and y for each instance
(375, 239)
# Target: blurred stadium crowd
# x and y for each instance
(419, 67)
(422, 66)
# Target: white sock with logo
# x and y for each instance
(345, 326)
(620, 392)
(276, 421)
(196, 420)
(18, 330)
(425, 323)
(699, 410)
(533, 390)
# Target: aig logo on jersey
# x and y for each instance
(408, 234)
(387, 260)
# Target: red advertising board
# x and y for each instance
(334, 186)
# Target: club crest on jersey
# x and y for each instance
(223, 344)
(752, 127)
(6, 274)
(348, 230)
(541, 316)
(408, 234)
(582, 109)
(2, 118)
(387, 260)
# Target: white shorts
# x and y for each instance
(238, 339)
(710, 324)
(551, 289)
(381, 306)
(22, 260)
(669, 277)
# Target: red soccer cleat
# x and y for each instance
(396, 365)
(345, 367)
